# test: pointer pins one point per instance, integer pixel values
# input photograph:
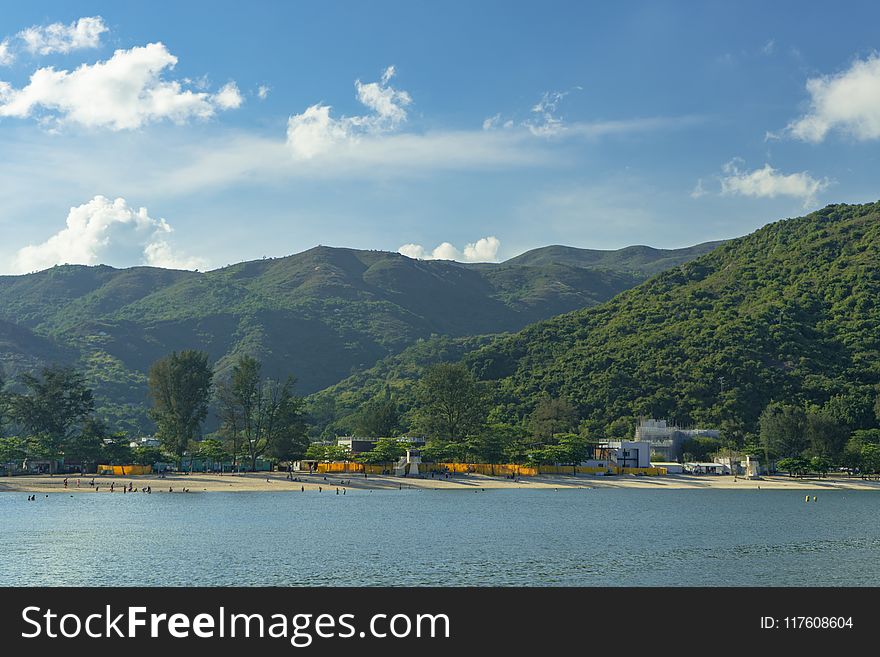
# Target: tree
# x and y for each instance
(783, 430)
(116, 450)
(213, 451)
(699, 448)
(316, 452)
(821, 465)
(229, 412)
(144, 455)
(290, 445)
(795, 466)
(53, 408)
(386, 450)
(266, 414)
(826, 434)
(337, 453)
(870, 459)
(12, 450)
(180, 387)
(492, 444)
(552, 416)
(4, 404)
(444, 451)
(378, 419)
(88, 446)
(451, 402)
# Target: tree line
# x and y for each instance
(52, 416)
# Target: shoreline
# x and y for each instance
(277, 482)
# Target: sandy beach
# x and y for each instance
(277, 482)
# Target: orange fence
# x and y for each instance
(125, 470)
(491, 469)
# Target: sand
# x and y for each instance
(277, 482)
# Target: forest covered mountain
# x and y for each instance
(320, 315)
(788, 313)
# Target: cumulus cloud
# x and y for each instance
(229, 97)
(314, 131)
(125, 92)
(848, 101)
(263, 92)
(768, 182)
(106, 232)
(6, 54)
(483, 250)
(61, 38)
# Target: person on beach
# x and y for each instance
(65, 482)
(302, 489)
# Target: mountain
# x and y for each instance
(644, 261)
(789, 313)
(321, 314)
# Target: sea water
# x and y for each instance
(570, 537)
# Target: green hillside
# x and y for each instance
(789, 313)
(645, 261)
(322, 314)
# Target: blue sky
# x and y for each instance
(201, 134)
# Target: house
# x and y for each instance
(631, 453)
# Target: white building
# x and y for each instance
(631, 453)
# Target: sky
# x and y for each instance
(195, 135)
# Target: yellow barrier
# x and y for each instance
(125, 470)
(339, 467)
(490, 469)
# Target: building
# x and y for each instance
(631, 453)
(360, 445)
(666, 439)
(706, 468)
(145, 441)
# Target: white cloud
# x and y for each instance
(483, 250)
(60, 38)
(768, 182)
(263, 92)
(315, 132)
(848, 101)
(698, 191)
(125, 92)
(106, 232)
(6, 54)
(229, 97)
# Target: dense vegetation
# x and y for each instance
(789, 314)
(324, 313)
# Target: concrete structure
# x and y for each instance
(408, 465)
(747, 466)
(631, 453)
(666, 439)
